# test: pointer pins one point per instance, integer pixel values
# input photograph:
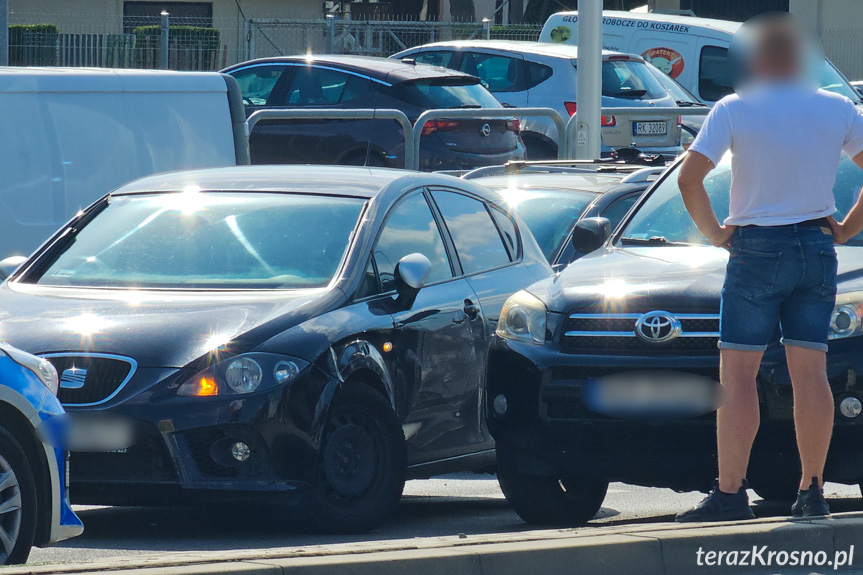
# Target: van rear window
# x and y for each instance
(714, 79)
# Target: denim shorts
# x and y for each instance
(779, 276)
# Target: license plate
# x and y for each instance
(649, 394)
(650, 128)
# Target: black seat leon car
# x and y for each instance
(351, 82)
(316, 332)
(607, 371)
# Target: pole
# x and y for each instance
(331, 33)
(589, 80)
(486, 29)
(164, 40)
(4, 32)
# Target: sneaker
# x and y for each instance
(720, 506)
(811, 502)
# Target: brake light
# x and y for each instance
(513, 125)
(433, 126)
(570, 107)
(619, 57)
(609, 121)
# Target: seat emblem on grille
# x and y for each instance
(485, 130)
(657, 327)
(73, 378)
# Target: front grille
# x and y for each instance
(612, 333)
(89, 379)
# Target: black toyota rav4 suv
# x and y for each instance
(607, 371)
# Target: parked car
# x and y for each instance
(552, 197)
(606, 372)
(693, 51)
(314, 334)
(34, 496)
(530, 74)
(80, 133)
(349, 82)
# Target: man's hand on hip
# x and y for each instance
(722, 237)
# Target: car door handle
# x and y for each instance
(471, 309)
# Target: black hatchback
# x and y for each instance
(351, 82)
(287, 331)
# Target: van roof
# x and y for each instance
(526, 47)
(709, 23)
(41, 80)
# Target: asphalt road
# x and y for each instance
(463, 503)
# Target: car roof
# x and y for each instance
(360, 182)
(585, 182)
(710, 23)
(521, 46)
(382, 69)
(104, 80)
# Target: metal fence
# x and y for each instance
(40, 39)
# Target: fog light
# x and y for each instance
(499, 404)
(240, 451)
(850, 407)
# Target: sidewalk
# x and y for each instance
(658, 548)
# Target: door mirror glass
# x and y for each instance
(9, 265)
(412, 272)
(590, 233)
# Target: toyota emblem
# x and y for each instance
(657, 327)
(485, 130)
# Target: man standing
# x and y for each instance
(786, 139)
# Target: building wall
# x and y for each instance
(839, 25)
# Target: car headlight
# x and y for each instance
(847, 318)
(523, 319)
(41, 368)
(243, 374)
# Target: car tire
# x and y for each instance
(550, 500)
(538, 149)
(361, 465)
(17, 502)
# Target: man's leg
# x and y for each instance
(813, 409)
(738, 416)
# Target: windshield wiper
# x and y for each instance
(464, 107)
(651, 241)
(687, 104)
(629, 94)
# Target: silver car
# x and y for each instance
(535, 74)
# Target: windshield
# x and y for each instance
(674, 89)
(436, 93)
(663, 218)
(629, 79)
(549, 214)
(208, 240)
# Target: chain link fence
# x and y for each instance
(40, 39)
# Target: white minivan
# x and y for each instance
(71, 135)
(693, 51)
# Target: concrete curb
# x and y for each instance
(657, 548)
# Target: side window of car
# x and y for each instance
(619, 208)
(507, 228)
(410, 228)
(477, 240)
(316, 87)
(434, 58)
(537, 74)
(499, 73)
(256, 83)
(355, 89)
(714, 81)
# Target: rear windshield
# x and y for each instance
(630, 79)
(437, 93)
(208, 240)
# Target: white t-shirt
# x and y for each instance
(786, 141)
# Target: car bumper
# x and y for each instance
(550, 429)
(183, 449)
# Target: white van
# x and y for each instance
(68, 136)
(693, 51)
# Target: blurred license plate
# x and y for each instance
(639, 394)
(650, 128)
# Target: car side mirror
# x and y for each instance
(9, 265)
(411, 273)
(590, 233)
